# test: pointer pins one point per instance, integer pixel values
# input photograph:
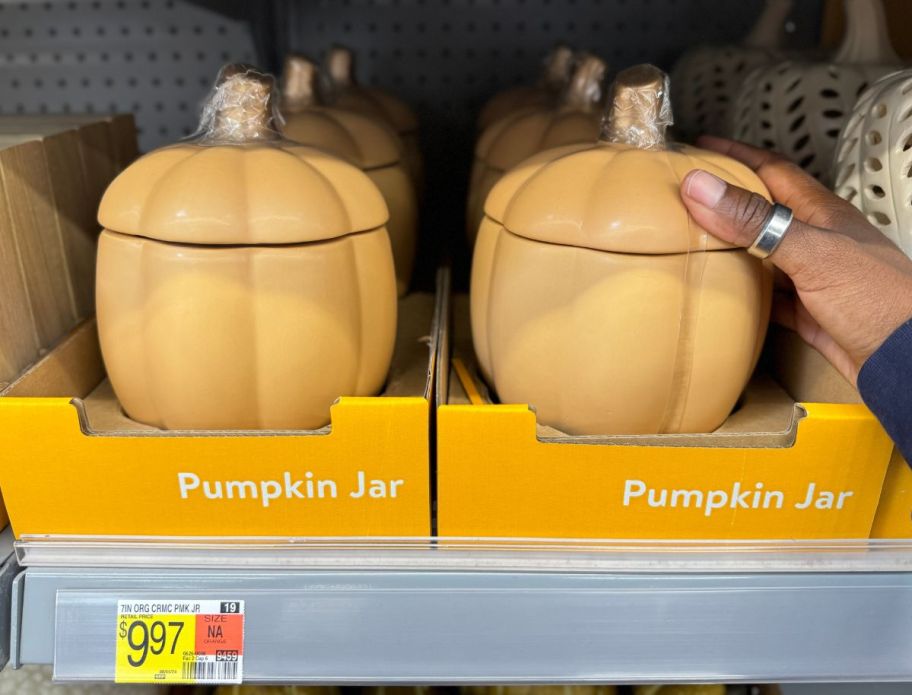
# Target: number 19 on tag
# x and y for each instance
(179, 642)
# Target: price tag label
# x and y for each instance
(179, 642)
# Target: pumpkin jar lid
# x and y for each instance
(239, 182)
(621, 193)
(513, 138)
(362, 140)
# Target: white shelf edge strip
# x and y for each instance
(468, 555)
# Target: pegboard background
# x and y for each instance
(157, 59)
(447, 56)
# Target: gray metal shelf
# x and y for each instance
(316, 615)
(8, 570)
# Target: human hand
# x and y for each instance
(852, 285)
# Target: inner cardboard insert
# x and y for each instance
(74, 369)
(790, 372)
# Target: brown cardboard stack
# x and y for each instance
(53, 171)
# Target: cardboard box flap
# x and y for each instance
(50, 180)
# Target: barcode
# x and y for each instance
(213, 671)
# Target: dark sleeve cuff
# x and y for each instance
(885, 384)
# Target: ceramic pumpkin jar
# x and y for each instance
(798, 108)
(244, 281)
(507, 142)
(706, 78)
(376, 103)
(373, 146)
(558, 65)
(596, 298)
(874, 158)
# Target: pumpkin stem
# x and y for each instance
(639, 110)
(300, 83)
(558, 66)
(340, 66)
(866, 40)
(767, 32)
(584, 92)
(241, 107)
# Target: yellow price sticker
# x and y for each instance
(179, 642)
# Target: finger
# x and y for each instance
(810, 200)
(738, 216)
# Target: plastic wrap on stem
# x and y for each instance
(242, 107)
(640, 109)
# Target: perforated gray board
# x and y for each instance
(156, 58)
(447, 56)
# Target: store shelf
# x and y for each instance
(8, 570)
(415, 618)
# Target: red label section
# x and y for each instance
(219, 633)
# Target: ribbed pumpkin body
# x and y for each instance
(243, 286)
(513, 100)
(598, 301)
(514, 138)
(517, 137)
(256, 337)
(556, 69)
(375, 149)
(378, 104)
(874, 158)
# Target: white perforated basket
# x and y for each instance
(873, 167)
(705, 78)
(798, 108)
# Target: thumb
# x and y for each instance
(737, 216)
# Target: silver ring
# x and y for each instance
(774, 229)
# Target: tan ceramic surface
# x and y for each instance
(518, 136)
(263, 337)
(370, 144)
(515, 138)
(611, 197)
(555, 73)
(242, 194)
(243, 281)
(378, 104)
(597, 300)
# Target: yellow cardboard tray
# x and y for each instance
(53, 170)
(894, 514)
(811, 467)
(75, 465)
